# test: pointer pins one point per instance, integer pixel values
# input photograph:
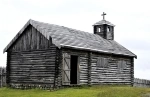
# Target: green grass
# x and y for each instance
(94, 91)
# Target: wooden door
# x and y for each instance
(66, 69)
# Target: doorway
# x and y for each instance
(73, 69)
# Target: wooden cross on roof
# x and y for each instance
(103, 15)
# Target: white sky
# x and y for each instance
(131, 17)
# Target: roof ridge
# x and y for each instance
(68, 28)
(65, 36)
(59, 26)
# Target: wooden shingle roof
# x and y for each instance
(67, 37)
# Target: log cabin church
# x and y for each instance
(49, 55)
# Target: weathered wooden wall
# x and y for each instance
(58, 65)
(118, 70)
(31, 39)
(32, 67)
(2, 76)
(31, 60)
(103, 31)
(111, 72)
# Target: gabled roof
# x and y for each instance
(67, 37)
(104, 22)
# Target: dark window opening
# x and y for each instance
(73, 71)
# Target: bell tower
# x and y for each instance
(104, 28)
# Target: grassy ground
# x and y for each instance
(94, 91)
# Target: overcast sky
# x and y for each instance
(131, 17)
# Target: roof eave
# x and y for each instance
(17, 35)
(104, 24)
(100, 51)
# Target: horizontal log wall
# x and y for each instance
(83, 68)
(35, 67)
(112, 73)
(90, 73)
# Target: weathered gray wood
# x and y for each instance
(66, 69)
(2, 76)
(32, 67)
(78, 71)
(141, 82)
(113, 71)
(60, 64)
(31, 39)
(33, 52)
(83, 64)
(32, 58)
(89, 69)
(8, 68)
(132, 72)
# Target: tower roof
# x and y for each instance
(102, 22)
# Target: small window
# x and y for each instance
(108, 29)
(102, 62)
(121, 64)
(99, 29)
(99, 61)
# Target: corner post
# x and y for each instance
(89, 68)
(8, 69)
(132, 72)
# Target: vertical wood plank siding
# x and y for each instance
(111, 74)
(141, 83)
(31, 39)
(34, 67)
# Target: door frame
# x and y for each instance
(78, 67)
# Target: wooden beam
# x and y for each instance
(89, 68)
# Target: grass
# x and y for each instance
(94, 91)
